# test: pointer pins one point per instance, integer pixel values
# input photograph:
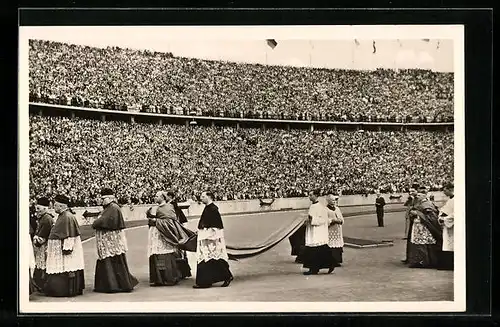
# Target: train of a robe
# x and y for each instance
(241, 244)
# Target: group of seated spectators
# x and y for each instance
(79, 156)
(133, 80)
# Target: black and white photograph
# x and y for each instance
(174, 169)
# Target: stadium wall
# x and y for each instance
(138, 212)
(136, 116)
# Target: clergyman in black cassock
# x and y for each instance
(182, 261)
(211, 253)
(298, 242)
(65, 263)
(45, 221)
(112, 274)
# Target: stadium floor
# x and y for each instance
(372, 274)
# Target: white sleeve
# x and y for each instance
(331, 217)
(448, 222)
(340, 217)
(68, 243)
(447, 209)
(320, 216)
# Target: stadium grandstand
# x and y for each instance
(76, 155)
(133, 80)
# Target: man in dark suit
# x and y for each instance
(379, 205)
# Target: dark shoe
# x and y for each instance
(417, 265)
(198, 286)
(310, 273)
(404, 261)
(331, 270)
(172, 284)
(445, 268)
(227, 282)
(298, 260)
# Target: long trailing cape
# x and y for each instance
(65, 226)
(174, 233)
(256, 239)
(178, 211)
(111, 218)
(177, 235)
(266, 239)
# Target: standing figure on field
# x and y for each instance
(182, 259)
(162, 253)
(379, 206)
(447, 221)
(335, 235)
(112, 274)
(32, 288)
(297, 243)
(426, 238)
(317, 254)
(65, 264)
(45, 221)
(412, 194)
(211, 253)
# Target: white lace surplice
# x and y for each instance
(211, 245)
(110, 243)
(157, 243)
(420, 234)
(57, 262)
(40, 253)
(335, 235)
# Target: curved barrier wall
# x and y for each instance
(138, 212)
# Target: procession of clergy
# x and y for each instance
(57, 265)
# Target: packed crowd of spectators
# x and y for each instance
(133, 80)
(80, 156)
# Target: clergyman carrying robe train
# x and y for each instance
(167, 230)
(165, 223)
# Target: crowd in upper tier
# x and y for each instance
(79, 156)
(133, 80)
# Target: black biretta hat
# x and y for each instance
(107, 191)
(62, 199)
(43, 201)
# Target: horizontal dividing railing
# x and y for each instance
(232, 119)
